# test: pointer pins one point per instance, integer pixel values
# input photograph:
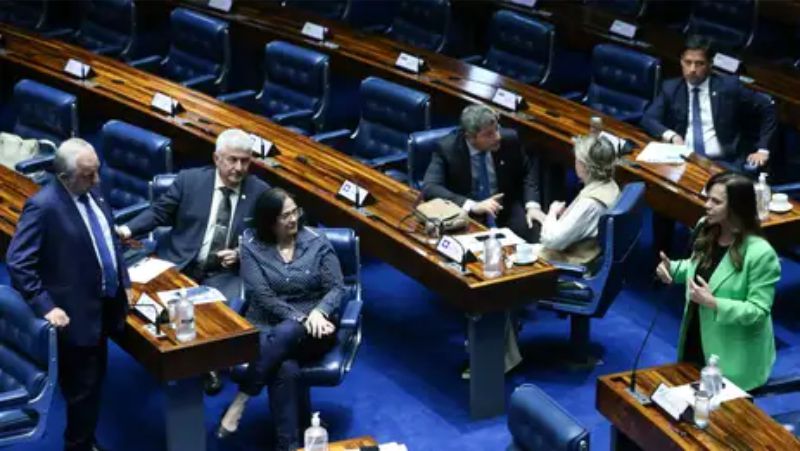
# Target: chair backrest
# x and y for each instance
(132, 156)
(422, 23)
(329, 9)
(295, 78)
(537, 422)
(42, 112)
(420, 149)
(30, 14)
(389, 114)
(624, 81)
(200, 45)
(731, 24)
(108, 23)
(159, 185)
(520, 47)
(633, 8)
(346, 244)
(28, 367)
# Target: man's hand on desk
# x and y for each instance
(57, 318)
(490, 205)
(228, 257)
(758, 159)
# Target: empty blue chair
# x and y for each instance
(420, 150)
(29, 369)
(296, 88)
(426, 24)
(199, 55)
(730, 24)
(131, 157)
(584, 294)
(519, 47)
(374, 15)
(537, 422)
(389, 114)
(108, 28)
(30, 14)
(623, 83)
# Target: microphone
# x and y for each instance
(638, 396)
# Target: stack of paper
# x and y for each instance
(148, 269)
(198, 295)
(656, 152)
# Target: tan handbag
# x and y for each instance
(442, 214)
(14, 149)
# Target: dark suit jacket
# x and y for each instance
(744, 120)
(449, 175)
(185, 207)
(52, 263)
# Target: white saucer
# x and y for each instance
(780, 208)
(525, 262)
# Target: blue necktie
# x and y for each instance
(697, 123)
(110, 281)
(484, 189)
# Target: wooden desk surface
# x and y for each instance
(223, 337)
(737, 424)
(310, 170)
(548, 121)
(350, 444)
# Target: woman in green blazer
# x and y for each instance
(730, 286)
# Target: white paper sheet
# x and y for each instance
(148, 269)
(729, 392)
(198, 295)
(656, 152)
(148, 312)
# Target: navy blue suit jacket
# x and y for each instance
(52, 263)
(186, 207)
(743, 119)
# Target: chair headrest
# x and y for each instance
(135, 150)
(49, 110)
(198, 34)
(296, 66)
(625, 70)
(521, 35)
(431, 14)
(393, 105)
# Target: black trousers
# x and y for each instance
(81, 370)
(283, 348)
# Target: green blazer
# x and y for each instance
(739, 331)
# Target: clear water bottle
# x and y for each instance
(711, 377)
(185, 312)
(316, 437)
(763, 196)
(492, 256)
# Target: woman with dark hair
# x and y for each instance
(294, 286)
(730, 286)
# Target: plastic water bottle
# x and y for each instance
(711, 377)
(316, 437)
(763, 196)
(185, 309)
(492, 256)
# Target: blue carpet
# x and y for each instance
(405, 386)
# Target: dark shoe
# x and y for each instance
(212, 383)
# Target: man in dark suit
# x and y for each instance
(712, 114)
(66, 261)
(484, 169)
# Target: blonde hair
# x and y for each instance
(597, 154)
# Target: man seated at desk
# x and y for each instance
(484, 169)
(712, 114)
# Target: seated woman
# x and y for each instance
(569, 233)
(730, 286)
(294, 285)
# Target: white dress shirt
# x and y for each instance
(104, 226)
(578, 222)
(216, 199)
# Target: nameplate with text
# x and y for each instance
(528, 3)
(165, 104)
(222, 5)
(507, 99)
(314, 31)
(78, 69)
(260, 146)
(451, 248)
(624, 29)
(410, 63)
(726, 63)
(354, 193)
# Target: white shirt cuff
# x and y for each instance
(468, 204)
(668, 135)
(764, 151)
(532, 204)
(124, 230)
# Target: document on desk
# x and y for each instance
(730, 391)
(148, 269)
(473, 242)
(198, 295)
(656, 152)
(148, 307)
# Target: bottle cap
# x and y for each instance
(713, 360)
(315, 419)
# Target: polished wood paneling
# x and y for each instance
(737, 424)
(350, 444)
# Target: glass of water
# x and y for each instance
(702, 406)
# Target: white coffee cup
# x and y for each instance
(780, 199)
(525, 252)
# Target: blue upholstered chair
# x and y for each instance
(374, 15)
(519, 47)
(330, 370)
(32, 14)
(296, 88)
(537, 422)
(329, 9)
(131, 157)
(624, 82)
(45, 114)
(108, 28)
(199, 55)
(633, 8)
(584, 294)
(420, 149)
(426, 24)
(389, 114)
(28, 370)
(730, 24)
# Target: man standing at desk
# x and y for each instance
(68, 265)
(484, 169)
(207, 209)
(712, 114)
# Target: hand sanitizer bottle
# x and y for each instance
(316, 437)
(186, 328)
(763, 196)
(492, 256)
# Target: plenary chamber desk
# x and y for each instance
(314, 173)
(546, 122)
(223, 338)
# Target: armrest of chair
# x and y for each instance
(472, 59)
(109, 50)
(569, 269)
(351, 315)
(202, 83)
(386, 160)
(124, 215)
(16, 397)
(631, 118)
(778, 386)
(298, 118)
(575, 96)
(240, 99)
(39, 163)
(148, 63)
(336, 138)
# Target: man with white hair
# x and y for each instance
(207, 209)
(67, 263)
